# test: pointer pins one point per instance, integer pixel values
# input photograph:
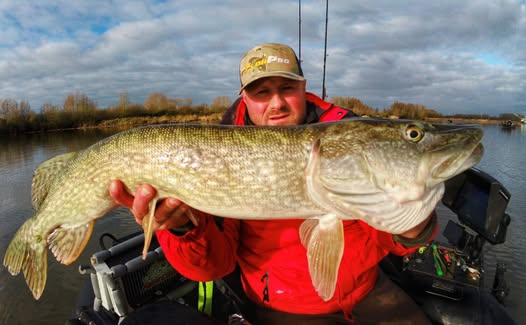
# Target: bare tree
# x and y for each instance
(79, 102)
(124, 100)
(156, 102)
(221, 102)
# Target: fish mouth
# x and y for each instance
(456, 164)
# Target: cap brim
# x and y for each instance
(283, 74)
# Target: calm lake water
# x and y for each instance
(504, 159)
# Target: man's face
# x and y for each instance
(276, 101)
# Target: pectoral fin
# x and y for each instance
(147, 226)
(323, 238)
(67, 243)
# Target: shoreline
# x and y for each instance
(466, 121)
(124, 123)
(216, 118)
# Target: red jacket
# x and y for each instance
(272, 260)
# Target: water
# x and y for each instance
(18, 158)
(504, 159)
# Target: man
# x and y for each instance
(271, 258)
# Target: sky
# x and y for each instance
(456, 57)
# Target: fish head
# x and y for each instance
(409, 158)
(450, 150)
(391, 173)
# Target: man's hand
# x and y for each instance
(169, 213)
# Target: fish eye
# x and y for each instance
(414, 133)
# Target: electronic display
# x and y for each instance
(480, 203)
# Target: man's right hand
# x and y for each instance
(169, 213)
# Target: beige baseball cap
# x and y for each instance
(269, 60)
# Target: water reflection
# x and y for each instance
(24, 147)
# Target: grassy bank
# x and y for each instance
(130, 122)
(78, 111)
(464, 120)
(124, 123)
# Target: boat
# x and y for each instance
(508, 125)
(445, 278)
(522, 118)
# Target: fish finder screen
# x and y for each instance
(472, 203)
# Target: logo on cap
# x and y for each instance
(269, 60)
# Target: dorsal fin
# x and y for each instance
(44, 175)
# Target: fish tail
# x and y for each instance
(28, 257)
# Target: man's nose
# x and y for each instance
(276, 101)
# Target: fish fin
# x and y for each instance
(324, 241)
(28, 257)
(67, 243)
(306, 229)
(147, 226)
(44, 175)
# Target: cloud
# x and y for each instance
(455, 57)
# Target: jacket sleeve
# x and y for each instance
(204, 253)
(398, 245)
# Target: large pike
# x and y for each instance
(388, 173)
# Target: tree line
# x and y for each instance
(411, 111)
(78, 110)
(396, 110)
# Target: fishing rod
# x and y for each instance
(323, 90)
(299, 29)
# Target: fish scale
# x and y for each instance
(387, 173)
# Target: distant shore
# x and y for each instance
(465, 120)
(129, 122)
(215, 118)
(125, 123)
